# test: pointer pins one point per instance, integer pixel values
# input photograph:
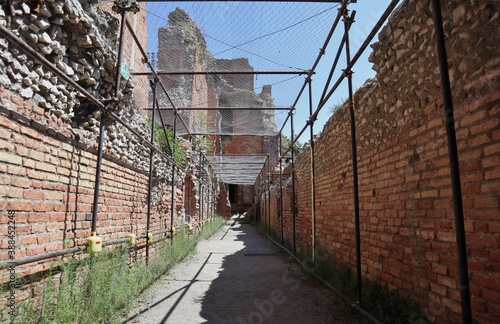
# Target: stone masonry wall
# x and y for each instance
(80, 38)
(48, 137)
(406, 212)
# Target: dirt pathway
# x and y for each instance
(237, 276)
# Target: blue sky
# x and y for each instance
(280, 37)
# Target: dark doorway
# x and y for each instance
(232, 193)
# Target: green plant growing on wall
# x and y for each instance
(201, 123)
(178, 153)
(286, 143)
(336, 109)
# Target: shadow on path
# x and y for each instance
(238, 276)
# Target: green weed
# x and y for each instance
(100, 288)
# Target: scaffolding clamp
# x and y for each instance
(131, 239)
(111, 103)
(347, 73)
(125, 6)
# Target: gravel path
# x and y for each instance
(237, 276)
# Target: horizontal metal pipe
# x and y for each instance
(54, 254)
(222, 108)
(40, 257)
(227, 134)
(233, 163)
(220, 73)
(238, 155)
(116, 241)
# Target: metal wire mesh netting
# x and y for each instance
(233, 68)
(229, 167)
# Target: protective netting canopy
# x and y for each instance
(252, 57)
(236, 122)
(233, 74)
(239, 169)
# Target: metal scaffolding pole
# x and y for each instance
(313, 179)
(294, 206)
(222, 108)
(209, 198)
(150, 174)
(222, 73)
(354, 59)
(336, 60)
(67, 80)
(454, 165)
(202, 198)
(97, 180)
(212, 197)
(214, 180)
(280, 206)
(95, 206)
(188, 211)
(172, 203)
(199, 191)
(269, 192)
(347, 23)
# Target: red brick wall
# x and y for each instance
(49, 182)
(406, 211)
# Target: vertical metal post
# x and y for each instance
(454, 165)
(120, 54)
(347, 23)
(202, 200)
(313, 180)
(172, 203)
(189, 196)
(214, 195)
(294, 206)
(269, 193)
(97, 176)
(199, 191)
(281, 190)
(209, 198)
(95, 206)
(150, 175)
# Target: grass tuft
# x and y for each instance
(99, 289)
